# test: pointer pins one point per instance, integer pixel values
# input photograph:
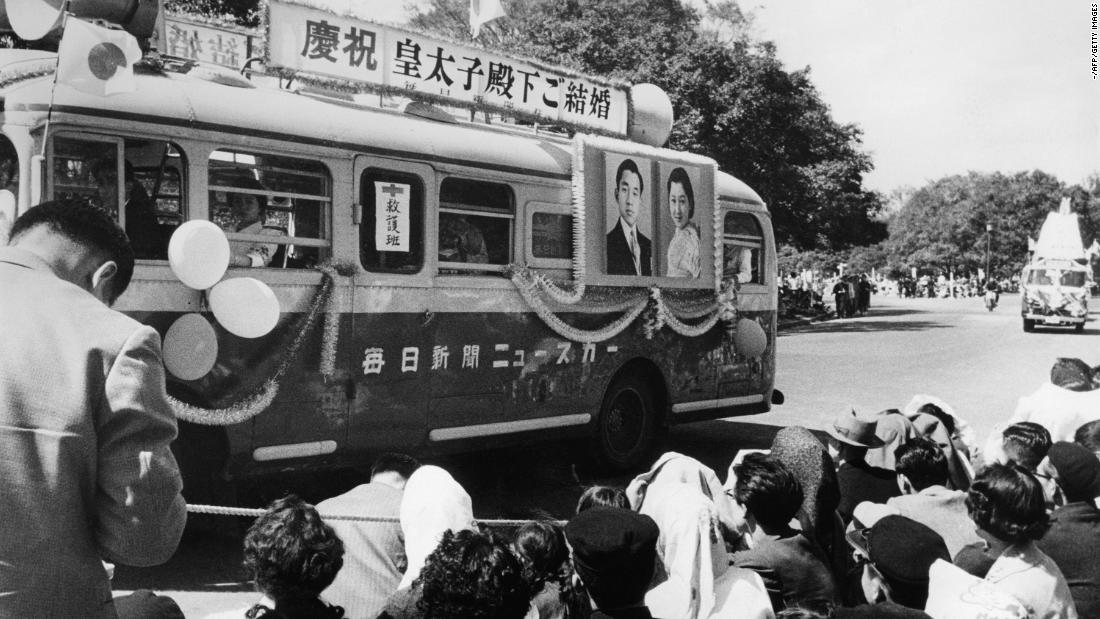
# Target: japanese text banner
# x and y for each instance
(315, 42)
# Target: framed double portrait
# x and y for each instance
(650, 218)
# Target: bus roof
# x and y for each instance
(182, 100)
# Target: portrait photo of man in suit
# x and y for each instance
(629, 251)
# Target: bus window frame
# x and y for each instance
(446, 267)
(119, 142)
(285, 240)
(753, 243)
(425, 176)
(535, 207)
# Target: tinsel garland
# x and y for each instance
(258, 401)
(528, 289)
(37, 68)
(331, 334)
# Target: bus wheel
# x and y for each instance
(1029, 325)
(1079, 327)
(628, 426)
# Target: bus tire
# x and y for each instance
(1029, 325)
(628, 428)
(1079, 327)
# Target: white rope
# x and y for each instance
(221, 510)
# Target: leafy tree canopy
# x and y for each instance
(944, 223)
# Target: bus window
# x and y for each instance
(274, 209)
(87, 168)
(551, 235)
(475, 225)
(9, 187)
(742, 242)
(392, 231)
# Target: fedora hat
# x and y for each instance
(847, 428)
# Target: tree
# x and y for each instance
(943, 224)
(242, 12)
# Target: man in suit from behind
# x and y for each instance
(374, 557)
(86, 474)
(629, 252)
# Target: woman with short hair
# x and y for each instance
(1006, 503)
(292, 556)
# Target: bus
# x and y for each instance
(482, 314)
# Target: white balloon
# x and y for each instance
(198, 253)
(245, 306)
(190, 347)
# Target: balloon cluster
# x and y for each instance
(198, 254)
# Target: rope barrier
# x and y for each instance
(220, 510)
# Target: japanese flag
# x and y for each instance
(483, 12)
(97, 60)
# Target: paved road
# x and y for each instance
(977, 361)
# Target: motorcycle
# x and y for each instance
(990, 299)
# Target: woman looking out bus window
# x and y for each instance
(249, 212)
(683, 249)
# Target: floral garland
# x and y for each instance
(258, 401)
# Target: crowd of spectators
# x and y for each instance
(897, 514)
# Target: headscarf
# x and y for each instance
(808, 460)
(433, 503)
(952, 434)
(695, 560)
(895, 430)
(677, 469)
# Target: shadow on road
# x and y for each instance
(866, 325)
(542, 481)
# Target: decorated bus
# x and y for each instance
(347, 262)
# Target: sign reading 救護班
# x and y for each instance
(391, 210)
(311, 41)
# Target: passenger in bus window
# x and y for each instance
(629, 252)
(742, 264)
(249, 212)
(683, 249)
(141, 214)
(460, 240)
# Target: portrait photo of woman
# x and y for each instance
(683, 249)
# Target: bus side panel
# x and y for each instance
(390, 353)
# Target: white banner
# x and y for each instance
(391, 216)
(316, 42)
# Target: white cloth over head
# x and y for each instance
(433, 503)
(674, 468)
(700, 582)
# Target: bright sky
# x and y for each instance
(939, 87)
(943, 87)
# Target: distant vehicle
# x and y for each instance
(990, 300)
(1054, 293)
(1054, 286)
